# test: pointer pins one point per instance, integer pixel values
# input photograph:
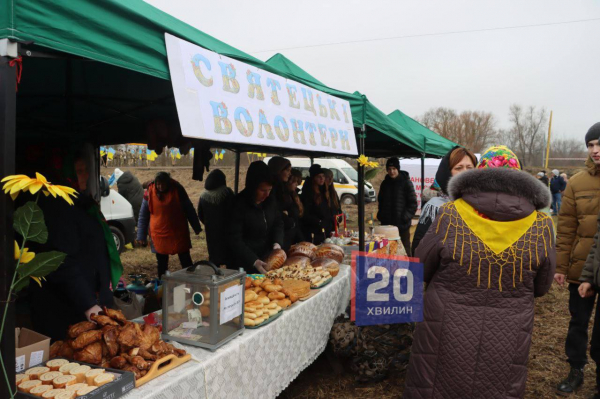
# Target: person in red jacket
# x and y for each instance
(165, 214)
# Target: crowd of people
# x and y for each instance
(486, 240)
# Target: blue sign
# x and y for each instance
(387, 289)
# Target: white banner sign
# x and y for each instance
(222, 99)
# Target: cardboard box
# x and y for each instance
(31, 348)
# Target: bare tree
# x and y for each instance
(567, 152)
(526, 137)
(472, 129)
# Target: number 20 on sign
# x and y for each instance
(386, 289)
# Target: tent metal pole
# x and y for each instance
(422, 176)
(237, 171)
(361, 191)
(8, 99)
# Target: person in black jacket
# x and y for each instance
(281, 168)
(131, 189)
(256, 225)
(213, 210)
(318, 215)
(293, 209)
(557, 186)
(81, 284)
(397, 201)
(334, 198)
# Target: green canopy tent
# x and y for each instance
(92, 71)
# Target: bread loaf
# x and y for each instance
(51, 394)
(91, 374)
(21, 378)
(298, 261)
(86, 390)
(305, 249)
(276, 259)
(64, 381)
(40, 390)
(66, 369)
(79, 372)
(56, 364)
(332, 266)
(34, 373)
(27, 386)
(66, 395)
(103, 379)
(76, 387)
(48, 377)
(330, 252)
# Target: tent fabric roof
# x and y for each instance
(130, 35)
(434, 143)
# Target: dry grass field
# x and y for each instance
(547, 365)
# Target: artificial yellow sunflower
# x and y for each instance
(17, 183)
(25, 256)
(364, 161)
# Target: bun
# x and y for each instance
(250, 296)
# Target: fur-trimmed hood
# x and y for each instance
(216, 196)
(502, 194)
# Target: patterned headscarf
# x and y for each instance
(499, 156)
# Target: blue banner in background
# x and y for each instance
(387, 289)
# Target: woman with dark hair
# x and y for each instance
(489, 252)
(81, 284)
(293, 210)
(213, 211)
(318, 215)
(165, 214)
(256, 225)
(456, 161)
(334, 198)
(281, 169)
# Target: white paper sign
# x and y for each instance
(231, 303)
(36, 358)
(222, 99)
(20, 363)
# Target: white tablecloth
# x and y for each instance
(261, 363)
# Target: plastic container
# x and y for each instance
(203, 305)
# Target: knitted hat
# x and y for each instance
(593, 133)
(499, 156)
(315, 169)
(555, 172)
(277, 164)
(541, 174)
(393, 162)
(215, 179)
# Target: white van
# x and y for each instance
(119, 215)
(345, 178)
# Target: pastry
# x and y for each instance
(34, 373)
(263, 299)
(91, 374)
(27, 386)
(103, 379)
(254, 304)
(329, 252)
(40, 390)
(21, 378)
(56, 364)
(273, 288)
(64, 381)
(48, 377)
(66, 369)
(51, 394)
(303, 249)
(66, 395)
(271, 305)
(249, 315)
(273, 312)
(248, 283)
(276, 295)
(263, 293)
(80, 371)
(249, 322)
(298, 287)
(86, 390)
(331, 265)
(76, 387)
(256, 283)
(250, 296)
(297, 261)
(276, 259)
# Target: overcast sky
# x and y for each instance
(553, 66)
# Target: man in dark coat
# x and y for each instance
(213, 209)
(131, 189)
(256, 225)
(397, 201)
(557, 186)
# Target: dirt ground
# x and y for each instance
(547, 365)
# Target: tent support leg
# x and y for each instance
(422, 177)
(8, 99)
(361, 191)
(236, 186)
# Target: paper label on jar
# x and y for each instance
(20, 363)
(231, 303)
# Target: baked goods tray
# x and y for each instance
(123, 383)
(264, 323)
(162, 366)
